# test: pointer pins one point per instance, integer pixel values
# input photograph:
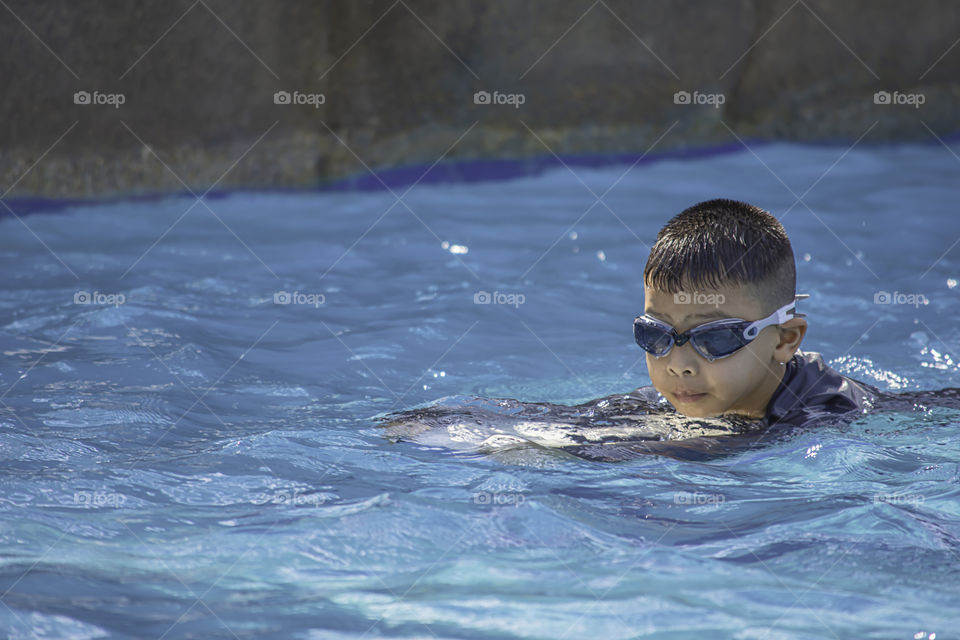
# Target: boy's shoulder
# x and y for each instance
(812, 391)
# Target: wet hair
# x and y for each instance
(721, 243)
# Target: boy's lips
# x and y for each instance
(688, 396)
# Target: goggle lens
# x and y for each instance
(652, 338)
(719, 342)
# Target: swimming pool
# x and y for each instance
(199, 457)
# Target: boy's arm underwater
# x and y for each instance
(612, 427)
(698, 448)
(628, 425)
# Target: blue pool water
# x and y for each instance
(200, 462)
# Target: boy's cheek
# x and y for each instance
(656, 375)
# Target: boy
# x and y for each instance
(722, 337)
(720, 326)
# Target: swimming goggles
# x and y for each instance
(712, 340)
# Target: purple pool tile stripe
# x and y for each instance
(466, 171)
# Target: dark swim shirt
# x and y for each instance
(812, 392)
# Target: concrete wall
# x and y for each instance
(198, 82)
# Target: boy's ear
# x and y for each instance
(791, 335)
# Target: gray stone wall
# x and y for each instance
(399, 78)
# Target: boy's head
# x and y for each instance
(717, 260)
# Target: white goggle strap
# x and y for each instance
(781, 315)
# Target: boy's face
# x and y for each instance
(741, 383)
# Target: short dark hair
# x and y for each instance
(724, 243)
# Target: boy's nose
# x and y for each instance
(682, 361)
